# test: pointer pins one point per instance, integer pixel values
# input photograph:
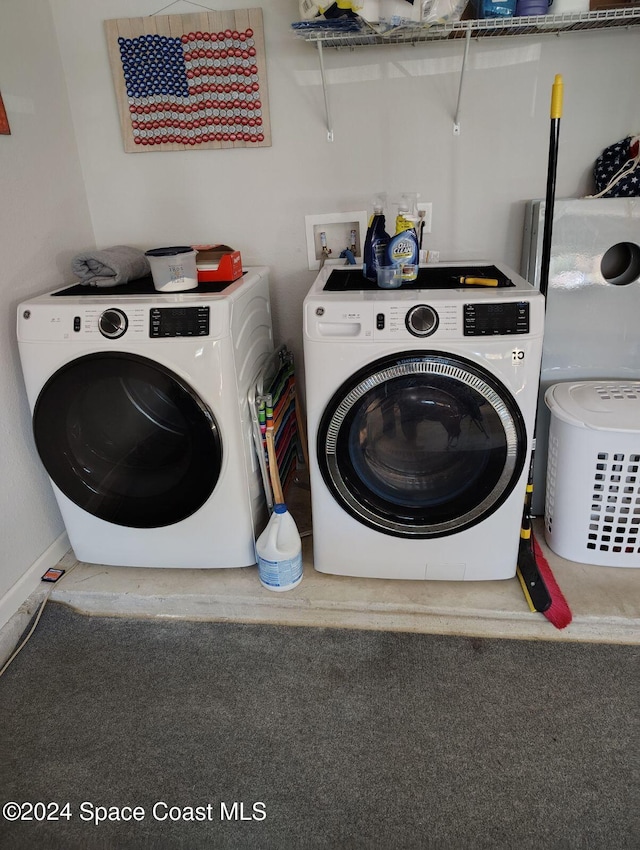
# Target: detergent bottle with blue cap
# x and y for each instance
(376, 241)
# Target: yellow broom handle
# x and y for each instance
(556, 97)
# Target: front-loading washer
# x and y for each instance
(141, 417)
(421, 405)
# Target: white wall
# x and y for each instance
(43, 217)
(393, 111)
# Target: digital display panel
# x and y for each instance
(178, 321)
(502, 318)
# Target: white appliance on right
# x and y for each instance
(420, 409)
(592, 324)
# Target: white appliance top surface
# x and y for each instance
(519, 290)
(401, 315)
(88, 318)
(128, 294)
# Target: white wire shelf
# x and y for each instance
(488, 27)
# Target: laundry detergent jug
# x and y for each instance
(279, 552)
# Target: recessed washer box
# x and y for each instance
(337, 228)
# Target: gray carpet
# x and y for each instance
(350, 739)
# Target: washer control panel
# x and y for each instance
(510, 317)
(440, 316)
(382, 320)
(401, 320)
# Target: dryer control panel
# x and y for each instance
(179, 321)
(94, 322)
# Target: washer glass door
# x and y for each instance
(127, 440)
(422, 444)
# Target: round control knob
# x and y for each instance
(113, 323)
(421, 320)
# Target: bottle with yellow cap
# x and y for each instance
(403, 249)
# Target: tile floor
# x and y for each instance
(605, 602)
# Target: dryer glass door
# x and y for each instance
(422, 444)
(127, 440)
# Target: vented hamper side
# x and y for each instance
(592, 510)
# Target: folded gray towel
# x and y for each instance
(110, 266)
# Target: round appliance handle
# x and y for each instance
(113, 323)
(422, 320)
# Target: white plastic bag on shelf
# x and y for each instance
(385, 15)
(442, 11)
(392, 12)
(388, 14)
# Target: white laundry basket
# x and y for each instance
(592, 505)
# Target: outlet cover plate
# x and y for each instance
(427, 209)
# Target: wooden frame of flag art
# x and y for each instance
(4, 121)
(188, 82)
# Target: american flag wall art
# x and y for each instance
(188, 82)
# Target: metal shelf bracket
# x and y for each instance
(456, 120)
(327, 107)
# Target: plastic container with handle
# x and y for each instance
(279, 552)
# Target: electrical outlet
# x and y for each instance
(427, 209)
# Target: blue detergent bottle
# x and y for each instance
(496, 8)
(375, 244)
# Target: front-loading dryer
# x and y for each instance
(141, 417)
(421, 404)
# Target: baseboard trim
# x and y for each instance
(17, 595)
